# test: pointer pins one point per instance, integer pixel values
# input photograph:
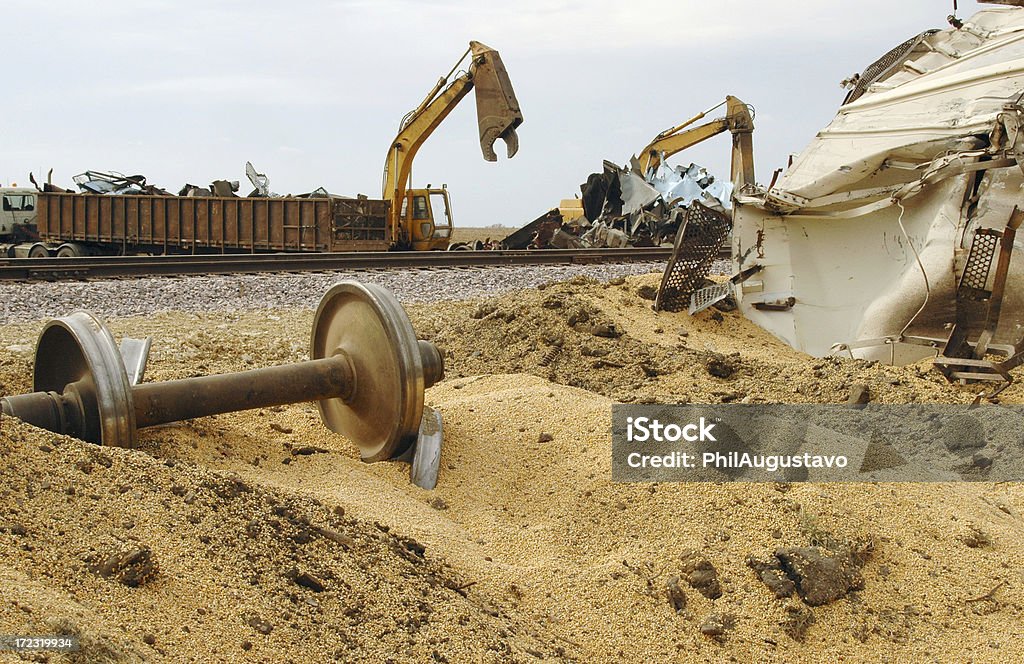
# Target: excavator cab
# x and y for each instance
(427, 213)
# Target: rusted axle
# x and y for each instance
(160, 403)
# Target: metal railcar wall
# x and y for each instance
(179, 224)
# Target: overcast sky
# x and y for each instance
(312, 92)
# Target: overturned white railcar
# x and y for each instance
(891, 236)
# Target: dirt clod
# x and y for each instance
(260, 625)
(721, 366)
(820, 576)
(647, 292)
(308, 580)
(716, 625)
(675, 594)
(306, 450)
(974, 537)
(132, 566)
(702, 576)
(772, 575)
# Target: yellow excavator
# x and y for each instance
(738, 120)
(421, 219)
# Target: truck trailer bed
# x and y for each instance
(179, 224)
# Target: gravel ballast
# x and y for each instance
(247, 292)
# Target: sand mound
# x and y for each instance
(141, 557)
(607, 339)
(228, 525)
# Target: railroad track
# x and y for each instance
(112, 267)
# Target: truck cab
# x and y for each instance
(17, 213)
(427, 218)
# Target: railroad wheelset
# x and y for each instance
(367, 372)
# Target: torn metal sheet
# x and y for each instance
(258, 180)
(710, 295)
(135, 356)
(319, 192)
(426, 454)
(224, 188)
(720, 192)
(536, 234)
(192, 190)
(636, 193)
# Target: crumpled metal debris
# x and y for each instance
(621, 208)
(637, 194)
(47, 186)
(224, 187)
(114, 183)
(692, 183)
(219, 188)
(193, 190)
(535, 235)
(319, 192)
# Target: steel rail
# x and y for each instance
(107, 267)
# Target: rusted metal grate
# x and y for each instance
(697, 243)
(703, 298)
(883, 65)
(978, 312)
(979, 261)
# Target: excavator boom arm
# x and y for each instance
(667, 146)
(498, 115)
(737, 120)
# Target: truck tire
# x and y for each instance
(70, 251)
(38, 251)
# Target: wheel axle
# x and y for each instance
(367, 373)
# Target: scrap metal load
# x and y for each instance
(645, 211)
(644, 204)
(891, 235)
(83, 224)
(619, 208)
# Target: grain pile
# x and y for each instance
(260, 536)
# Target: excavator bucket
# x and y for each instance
(497, 110)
